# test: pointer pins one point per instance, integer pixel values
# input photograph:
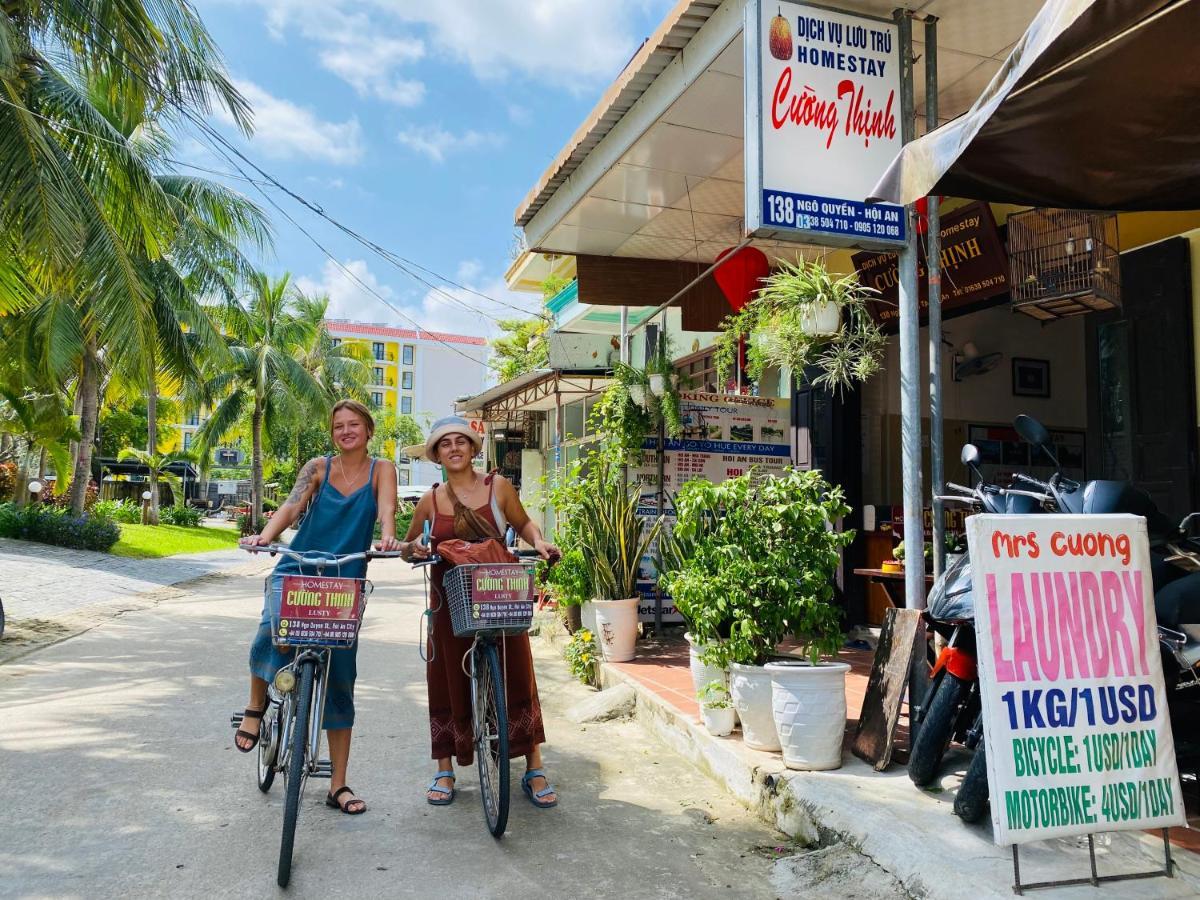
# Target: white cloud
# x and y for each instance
(571, 43)
(436, 143)
(284, 130)
(448, 309)
(519, 115)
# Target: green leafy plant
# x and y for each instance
(47, 525)
(613, 537)
(178, 514)
(715, 695)
(246, 525)
(629, 411)
(122, 511)
(778, 328)
(760, 557)
(582, 656)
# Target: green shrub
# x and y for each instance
(244, 523)
(269, 505)
(180, 515)
(581, 656)
(51, 526)
(8, 480)
(123, 511)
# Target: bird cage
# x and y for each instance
(1063, 262)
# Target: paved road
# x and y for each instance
(119, 778)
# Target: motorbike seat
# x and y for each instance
(1177, 605)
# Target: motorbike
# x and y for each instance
(951, 711)
(1175, 573)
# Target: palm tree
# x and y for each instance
(80, 209)
(156, 464)
(266, 337)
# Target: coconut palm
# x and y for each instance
(81, 212)
(266, 337)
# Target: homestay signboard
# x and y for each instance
(501, 592)
(319, 610)
(822, 124)
(1075, 715)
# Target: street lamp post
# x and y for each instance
(35, 491)
(146, 507)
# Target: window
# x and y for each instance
(187, 440)
(406, 406)
(377, 399)
(378, 375)
(407, 381)
(377, 347)
(404, 477)
(407, 357)
(193, 419)
(337, 342)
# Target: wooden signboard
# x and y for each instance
(898, 641)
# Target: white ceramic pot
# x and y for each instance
(658, 385)
(587, 617)
(717, 721)
(616, 628)
(821, 319)
(637, 393)
(809, 707)
(702, 674)
(751, 690)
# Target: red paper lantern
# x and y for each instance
(739, 277)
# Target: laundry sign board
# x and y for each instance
(1076, 724)
(822, 124)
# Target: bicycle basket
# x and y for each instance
(319, 611)
(492, 597)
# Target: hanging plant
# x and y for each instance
(803, 319)
(632, 407)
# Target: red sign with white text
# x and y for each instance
(318, 610)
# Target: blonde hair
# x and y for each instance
(359, 410)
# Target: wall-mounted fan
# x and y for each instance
(969, 361)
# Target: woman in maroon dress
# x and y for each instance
(472, 506)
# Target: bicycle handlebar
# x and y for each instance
(316, 559)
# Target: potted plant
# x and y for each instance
(765, 559)
(716, 707)
(639, 400)
(613, 539)
(804, 319)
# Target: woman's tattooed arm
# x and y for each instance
(303, 485)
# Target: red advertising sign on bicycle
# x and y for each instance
(319, 610)
(501, 592)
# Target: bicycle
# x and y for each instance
(318, 614)
(489, 601)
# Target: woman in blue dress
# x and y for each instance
(340, 497)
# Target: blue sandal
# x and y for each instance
(536, 798)
(434, 786)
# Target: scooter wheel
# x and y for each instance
(971, 804)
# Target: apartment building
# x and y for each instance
(417, 373)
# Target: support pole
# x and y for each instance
(933, 264)
(910, 354)
(625, 334)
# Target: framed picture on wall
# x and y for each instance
(1030, 377)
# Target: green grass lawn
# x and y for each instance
(151, 541)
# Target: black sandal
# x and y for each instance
(252, 738)
(331, 800)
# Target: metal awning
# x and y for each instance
(539, 391)
(656, 170)
(1097, 107)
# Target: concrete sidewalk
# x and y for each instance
(910, 833)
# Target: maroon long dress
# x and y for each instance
(449, 687)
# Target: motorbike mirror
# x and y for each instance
(1034, 432)
(971, 458)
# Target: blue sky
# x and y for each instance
(420, 125)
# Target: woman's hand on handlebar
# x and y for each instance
(412, 551)
(254, 540)
(388, 544)
(547, 550)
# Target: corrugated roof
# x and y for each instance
(338, 325)
(664, 45)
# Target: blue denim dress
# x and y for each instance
(334, 524)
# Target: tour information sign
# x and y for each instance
(822, 124)
(318, 610)
(1075, 715)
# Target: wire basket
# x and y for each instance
(327, 613)
(490, 597)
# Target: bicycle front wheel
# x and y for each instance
(268, 747)
(296, 770)
(491, 735)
